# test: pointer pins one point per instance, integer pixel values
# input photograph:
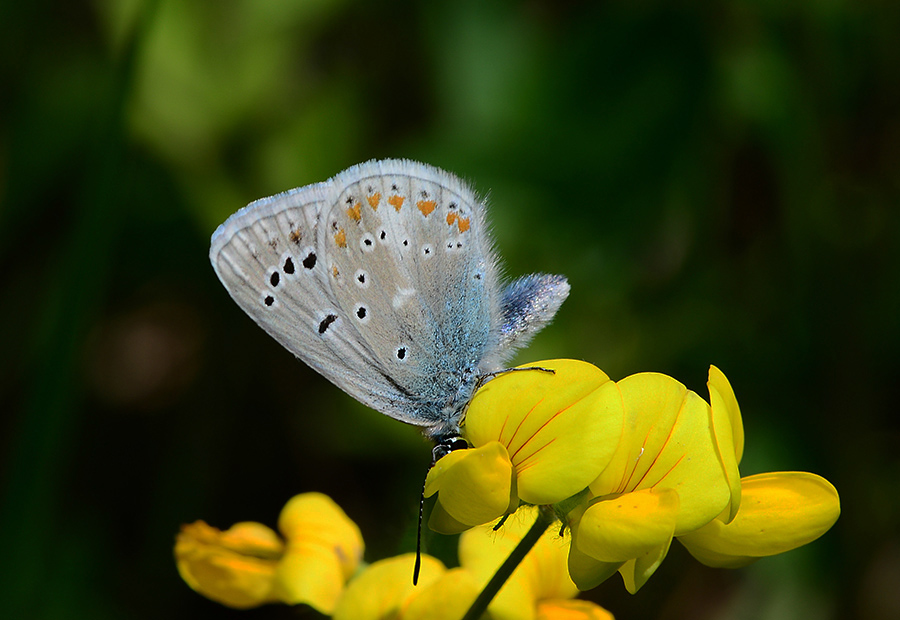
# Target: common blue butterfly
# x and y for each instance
(384, 280)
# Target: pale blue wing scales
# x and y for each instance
(528, 304)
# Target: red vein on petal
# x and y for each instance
(671, 469)
(626, 482)
(524, 464)
(655, 459)
(503, 426)
(675, 422)
(542, 426)
(521, 422)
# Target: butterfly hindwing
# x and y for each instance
(413, 269)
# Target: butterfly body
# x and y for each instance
(384, 280)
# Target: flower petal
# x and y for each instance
(627, 526)
(779, 512)
(668, 444)
(588, 572)
(542, 574)
(572, 609)
(382, 589)
(719, 383)
(725, 417)
(475, 486)
(448, 598)
(309, 573)
(442, 523)
(560, 429)
(636, 572)
(315, 518)
(235, 567)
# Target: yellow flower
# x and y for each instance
(777, 512)
(629, 464)
(235, 567)
(384, 589)
(250, 565)
(537, 437)
(540, 587)
(673, 472)
(676, 475)
(780, 511)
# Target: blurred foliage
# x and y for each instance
(719, 183)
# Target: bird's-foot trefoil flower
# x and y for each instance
(669, 476)
(675, 475)
(249, 565)
(539, 587)
(780, 511)
(537, 438)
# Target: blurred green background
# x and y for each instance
(719, 183)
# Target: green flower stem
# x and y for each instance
(545, 518)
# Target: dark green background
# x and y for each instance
(718, 181)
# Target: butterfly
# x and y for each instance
(384, 280)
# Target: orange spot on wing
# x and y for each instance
(334, 271)
(463, 224)
(374, 199)
(426, 206)
(396, 202)
(451, 217)
(340, 238)
(296, 236)
(354, 212)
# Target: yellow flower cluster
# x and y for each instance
(317, 563)
(626, 466)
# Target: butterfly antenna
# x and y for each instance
(418, 565)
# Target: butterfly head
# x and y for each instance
(447, 444)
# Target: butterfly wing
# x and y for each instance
(384, 280)
(411, 267)
(267, 257)
(528, 304)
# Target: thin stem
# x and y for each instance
(544, 519)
